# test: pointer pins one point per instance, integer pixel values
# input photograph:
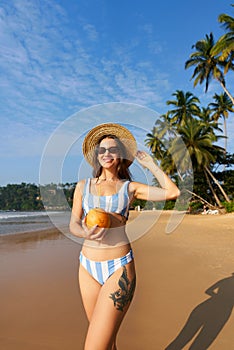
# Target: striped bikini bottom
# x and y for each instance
(102, 270)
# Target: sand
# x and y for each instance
(41, 307)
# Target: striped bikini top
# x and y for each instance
(115, 203)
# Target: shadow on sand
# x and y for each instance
(208, 318)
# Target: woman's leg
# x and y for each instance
(89, 289)
(111, 304)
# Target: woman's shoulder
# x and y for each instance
(81, 182)
(80, 185)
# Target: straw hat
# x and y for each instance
(94, 135)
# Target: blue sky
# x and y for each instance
(61, 57)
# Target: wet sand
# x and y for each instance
(40, 301)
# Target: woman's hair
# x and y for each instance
(122, 169)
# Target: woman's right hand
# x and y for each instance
(92, 233)
(144, 159)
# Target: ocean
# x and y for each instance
(13, 222)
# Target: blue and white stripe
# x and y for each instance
(116, 203)
(102, 270)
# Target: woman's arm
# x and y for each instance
(213, 290)
(77, 226)
(168, 189)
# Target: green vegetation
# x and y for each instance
(32, 197)
(20, 197)
(198, 127)
(229, 206)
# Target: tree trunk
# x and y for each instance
(227, 92)
(180, 176)
(212, 190)
(218, 184)
(225, 134)
(202, 200)
(225, 141)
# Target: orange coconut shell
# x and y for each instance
(98, 216)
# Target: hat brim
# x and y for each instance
(124, 135)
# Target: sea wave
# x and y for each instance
(5, 215)
(16, 222)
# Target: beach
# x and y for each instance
(184, 295)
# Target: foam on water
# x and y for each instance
(12, 222)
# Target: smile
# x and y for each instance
(107, 159)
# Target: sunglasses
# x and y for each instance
(112, 150)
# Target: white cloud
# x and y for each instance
(47, 62)
(91, 31)
(50, 70)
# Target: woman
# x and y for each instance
(107, 274)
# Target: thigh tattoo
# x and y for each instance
(122, 296)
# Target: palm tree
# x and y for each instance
(221, 109)
(205, 115)
(206, 118)
(225, 44)
(158, 142)
(207, 66)
(185, 106)
(154, 143)
(199, 142)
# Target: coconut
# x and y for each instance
(99, 217)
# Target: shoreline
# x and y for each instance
(133, 214)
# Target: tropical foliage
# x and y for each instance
(20, 197)
(189, 132)
(225, 45)
(29, 196)
(221, 107)
(177, 140)
(212, 60)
